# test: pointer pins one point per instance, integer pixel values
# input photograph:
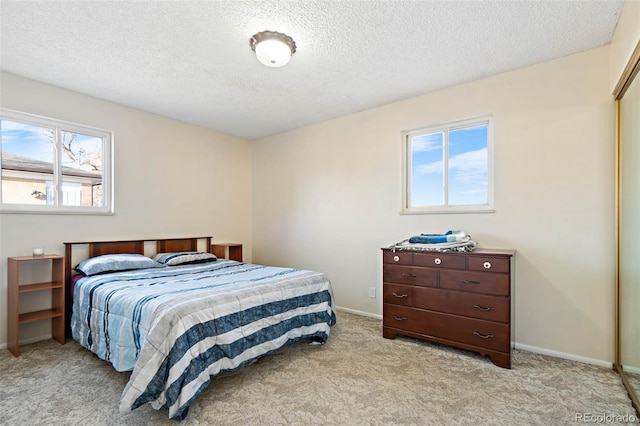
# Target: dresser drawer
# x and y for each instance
(397, 294)
(410, 275)
(492, 308)
(484, 334)
(439, 260)
(487, 283)
(397, 257)
(488, 264)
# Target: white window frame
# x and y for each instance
(407, 167)
(58, 127)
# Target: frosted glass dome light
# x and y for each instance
(273, 53)
(273, 49)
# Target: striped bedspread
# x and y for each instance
(178, 327)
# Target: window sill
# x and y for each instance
(475, 211)
(59, 212)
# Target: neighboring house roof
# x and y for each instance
(25, 164)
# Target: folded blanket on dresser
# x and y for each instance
(449, 241)
(448, 237)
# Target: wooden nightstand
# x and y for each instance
(231, 251)
(16, 288)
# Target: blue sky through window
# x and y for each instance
(467, 170)
(468, 166)
(427, 177)
(26, 140)
(35, 142)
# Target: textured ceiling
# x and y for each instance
(191, 60)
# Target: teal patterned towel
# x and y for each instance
(448, 237)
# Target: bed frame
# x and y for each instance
(97, 248)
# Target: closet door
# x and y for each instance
(628, 350)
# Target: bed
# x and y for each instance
(182, 318)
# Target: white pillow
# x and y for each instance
(185, 257)
(116, 262)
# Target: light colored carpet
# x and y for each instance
(357, 378)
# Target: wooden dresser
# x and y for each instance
(454, 298)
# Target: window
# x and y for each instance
(51, 166)
(448, 168)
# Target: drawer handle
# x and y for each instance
(437, 261)
(487, 265)
(396, 258)
(400, 318)
(469, 282)
(484, 336)
(400, 296)
(409, 275)
(490, 308)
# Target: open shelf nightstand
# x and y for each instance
(16, 288)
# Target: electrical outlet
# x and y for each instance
(372, 292)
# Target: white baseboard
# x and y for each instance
(570, 357)
(519, 346)
(361, 313)
(630, 369)
(27, 341)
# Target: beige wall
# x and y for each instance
(171, 180)
(327, 197)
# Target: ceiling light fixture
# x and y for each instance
(272, 48)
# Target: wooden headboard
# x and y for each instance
(97, 248)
